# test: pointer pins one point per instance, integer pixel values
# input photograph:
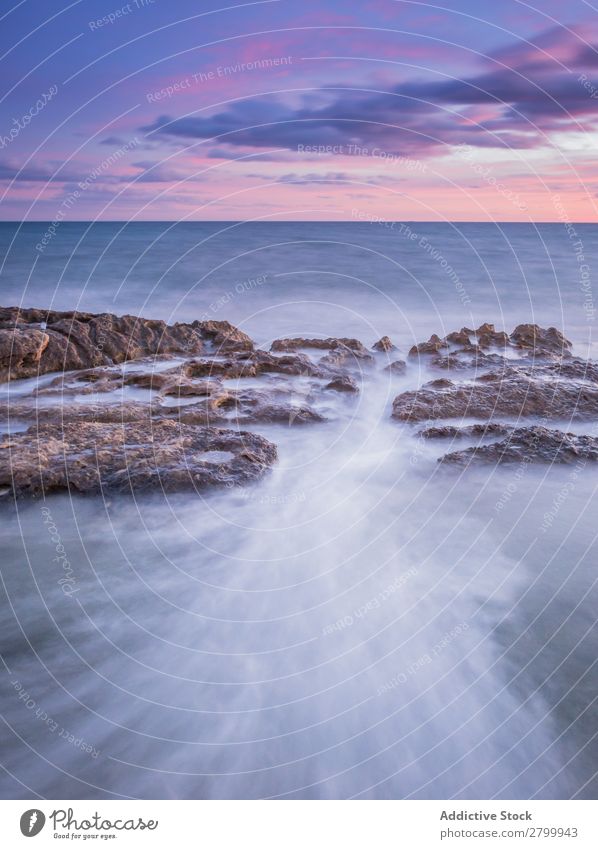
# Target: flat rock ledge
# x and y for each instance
(530, 444)
(136, 456)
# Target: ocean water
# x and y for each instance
(361, 623)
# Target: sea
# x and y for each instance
(364, 622)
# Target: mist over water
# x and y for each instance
(361, 623)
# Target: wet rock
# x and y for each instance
(224, 336)
(384, 344)
(468, 431)
(512, 396)
(63, 341)
(432, 346)
(292, 344)
(88, 457)
(21, 351)
(343, 384)
(530, 444)
(540, 341)
(397, 367)
(486, 337)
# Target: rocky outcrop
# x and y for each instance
(343, 384)
(297, 342)
(398, 367)
(530, 444)
(515, 395)
(92, 457)
(384, 344)
(36, 341)
(527, 339)
(468, 431)
(539, 341)
(432, 346)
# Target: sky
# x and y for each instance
(298, 110)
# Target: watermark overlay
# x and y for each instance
(374, 603)
(27, 117)
(218, 73)
(240, 288)
(68, 580)
(423, 660)
(589, 86)
(466, 152)
(384, 156)
(407, 232)
(32, 705)
(71, 199)
(585, 281)
(117, 14)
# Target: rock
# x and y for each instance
(224, 337)
(64, 341)
(397, 367)
(21, 351)
(460, 337)
(384, 344)
(486, 336)
(513, 396)
(92, 457)
(432, 346)
(343, 384)
(530, 444)
(292, 344)
(540, 341)
(476, 430)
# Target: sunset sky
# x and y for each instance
(281, 109)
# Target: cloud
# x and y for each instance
(534, 94)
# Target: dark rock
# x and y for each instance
(468, 431)
(530, 444)
(292, 344)
(224, 336)
(21, 351)
(398, 367)
(384, 344)
(513, 396)
(62, 341)
(89, 457)
(343, 384)
(540, 341)
(432, 346)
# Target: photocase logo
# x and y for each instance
(32, 822)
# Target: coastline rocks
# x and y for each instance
(540, 341)
(515, 396)
(468, 431)
(36, 341)
(432, 346)
(343, 384)
(21, 351)
(384, 344)
(530, 444)
(528, 339)
(293, 343)
(92, 457)
(398, 367)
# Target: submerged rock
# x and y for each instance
(92, 457)
(343, 384)
(530, 444)
(398, 367)
(476, 430)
